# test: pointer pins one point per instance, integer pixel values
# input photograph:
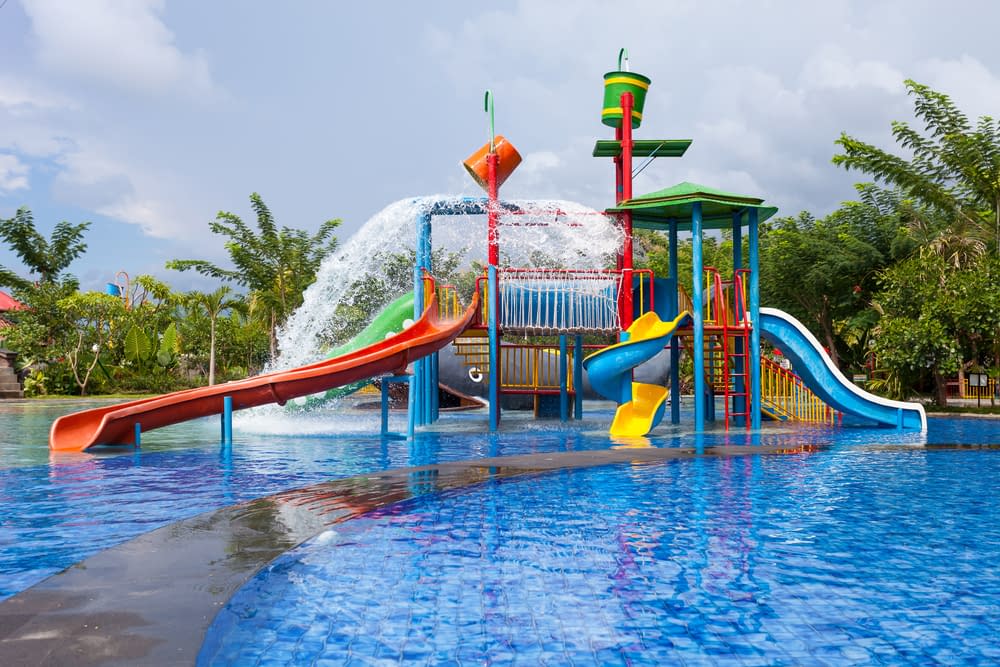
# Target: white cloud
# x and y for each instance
(835, 68)
(22, 98)
(120, 42)
(13, 173)
(94, 178)
(973, 87)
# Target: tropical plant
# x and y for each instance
(46, 258)
(89, 316)
(952, 168)
(214, 304)
(276, 265)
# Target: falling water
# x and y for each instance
(542, 234)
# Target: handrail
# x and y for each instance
(786, 394)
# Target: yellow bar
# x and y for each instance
(618, 111)
(638, 83)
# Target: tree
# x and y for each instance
(214, 304)
(45, 258)
(814, 269)
(953, 169)
(89, 315)
(276, 265)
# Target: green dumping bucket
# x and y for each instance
(616, 83)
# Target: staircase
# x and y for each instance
(727, 340)
(9, 386)
(474, 346)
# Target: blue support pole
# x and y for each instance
(494, 338)
(698, 317)
(138, 435)
(563, 379)
(435, 394)
(739, 401)
(385, 407)
(754, 356)
(227, 420)
(675, 345)
(418, 392)
(578, 376)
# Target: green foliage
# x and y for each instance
(953, 168)
(822, 270)
(371, 294)
(276, 265)
(36, 384)
(137, 345)
(166, 355)
(47, 258)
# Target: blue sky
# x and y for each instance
(146, 117)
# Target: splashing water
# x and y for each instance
(536, 234)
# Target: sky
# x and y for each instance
(147, 117)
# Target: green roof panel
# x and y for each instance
(643, 147)
(656, 209)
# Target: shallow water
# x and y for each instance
(61, 509)
(854, 555)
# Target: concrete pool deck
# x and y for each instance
(151, 600)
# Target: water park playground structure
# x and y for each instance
(720, 324)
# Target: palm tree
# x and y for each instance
(214, 304)
(276, 264)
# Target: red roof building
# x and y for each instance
(7, 302)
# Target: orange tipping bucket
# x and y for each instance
(508, 160)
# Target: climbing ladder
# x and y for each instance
(726, 352)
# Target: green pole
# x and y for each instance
(488, 108)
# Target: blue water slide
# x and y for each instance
(824, 379)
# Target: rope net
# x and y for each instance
(554, 301)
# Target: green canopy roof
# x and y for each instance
(643, 147)
(656, 209)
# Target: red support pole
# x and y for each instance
(626, 193)
(618, 189)
(492, 239)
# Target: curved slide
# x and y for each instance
(115, 424)
(390, 320)
(640, 406)
(824, 379)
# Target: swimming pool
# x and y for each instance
(857, 555)
(59, 511)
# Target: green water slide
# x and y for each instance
(388, 321)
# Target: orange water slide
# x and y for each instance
(115, 424)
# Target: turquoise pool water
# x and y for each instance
(856, 555)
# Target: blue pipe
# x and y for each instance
(563, 379)
(675, 345)
(227, 420)
(578, 376)
(698, 316)
(754, 360)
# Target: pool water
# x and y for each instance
(61, 509)
(853, 555)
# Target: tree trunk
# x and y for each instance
(826, 323)
(211, 356)
(273, 334)
(940, 388)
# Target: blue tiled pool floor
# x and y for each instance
(853, 556)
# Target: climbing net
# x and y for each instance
(550, 301)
